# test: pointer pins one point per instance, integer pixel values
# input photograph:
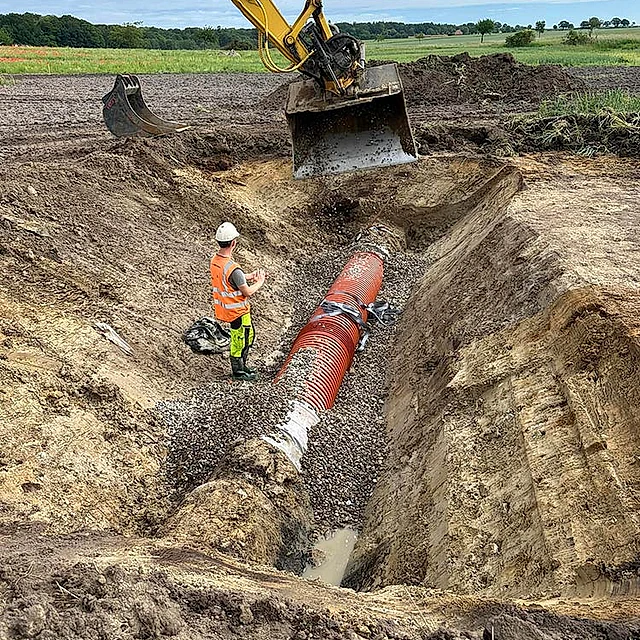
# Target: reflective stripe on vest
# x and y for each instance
(228, 304)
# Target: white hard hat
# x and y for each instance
(226, 232)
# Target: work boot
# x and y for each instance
(239, 373)
(247, 368)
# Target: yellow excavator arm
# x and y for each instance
(310, 44)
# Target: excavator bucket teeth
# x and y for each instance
(126, 113)
(333, 135)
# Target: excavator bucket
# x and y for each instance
(333, 134)
(126, 113)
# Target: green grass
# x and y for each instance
(612, 47)
(614, 101)
(62, 60)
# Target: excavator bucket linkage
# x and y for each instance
(126, 113)
(333, 134)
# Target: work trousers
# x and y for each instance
(242, 336)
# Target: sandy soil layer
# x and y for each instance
(515, 406)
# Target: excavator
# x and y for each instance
(343, 116)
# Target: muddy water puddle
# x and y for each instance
(335, 549)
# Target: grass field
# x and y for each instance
(612, 47)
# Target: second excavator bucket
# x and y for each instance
(333, 134)
(126, 113)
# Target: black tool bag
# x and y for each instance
(207, 336)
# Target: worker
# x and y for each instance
(231, 292)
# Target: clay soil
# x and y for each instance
(485, 447)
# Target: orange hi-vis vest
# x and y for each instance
(228, 304)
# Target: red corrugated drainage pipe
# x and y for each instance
(331, 335)
(324, 349)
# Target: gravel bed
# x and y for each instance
(346, 449)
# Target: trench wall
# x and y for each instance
(513, 413)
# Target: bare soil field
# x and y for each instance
(485, 446)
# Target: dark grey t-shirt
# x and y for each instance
(237, 278)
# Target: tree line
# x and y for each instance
(67, 31)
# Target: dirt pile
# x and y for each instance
(254, 507)
(437, 80)
(446, 80)
(277, 99)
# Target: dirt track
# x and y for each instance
(511, 379)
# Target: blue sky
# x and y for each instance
(186, 13)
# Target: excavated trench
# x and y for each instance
(446, 448)
(254, 504)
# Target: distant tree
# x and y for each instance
(380, 37)
(520, 39)
(50, 26)
(616, 22)
(420, 36)
(575, 39)
(73, 32)
(555, 27)
(540, 24)
(594, 23)
(584, 24)
(483, 27)
(209, 36)
(564, 24)
(624, 22)
(496, 27)
(125, 36)
(5, 36)
(23, 28)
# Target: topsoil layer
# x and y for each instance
(458, 79)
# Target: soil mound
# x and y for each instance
(276, 100)
(463, 79)
(498, 77)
